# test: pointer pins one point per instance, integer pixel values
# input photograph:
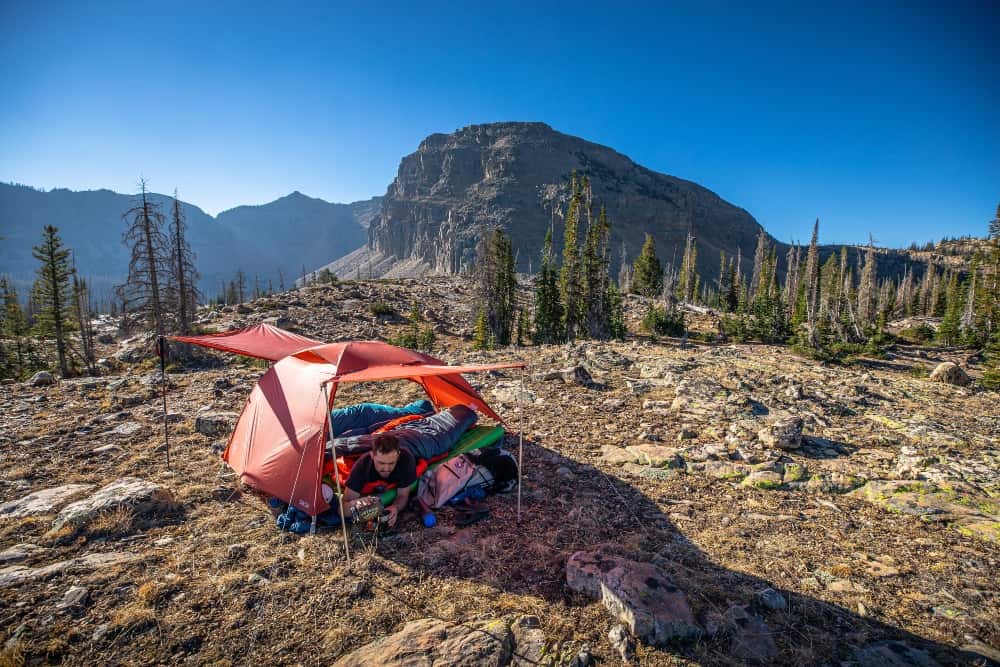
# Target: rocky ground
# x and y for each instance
(715, 504)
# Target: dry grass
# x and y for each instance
(11, 656)
(113, 522)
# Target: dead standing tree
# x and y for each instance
(184, 293)
(143, 292)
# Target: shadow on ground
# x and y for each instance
(570, 507)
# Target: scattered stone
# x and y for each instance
(529, 642)
(137, 495)
(430, 641)
(576, 375)
(949, 372)
(105, 449)
(771, 599)
(616, 455)
(258, 579)
(782, 433)
(621, 642)
(893, 654)
(639, 595)
(752, 638)
(763, 479)
(75, 596)
(215, 424)
(126, 429)
(42, 502)
(237, 551)
(513, 393)
(42, 379)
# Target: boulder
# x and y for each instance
(137, 495)
(42, 379)
(950, 373)
(576, 375)
(782, 433)
(215, 424)
(20, 552)
(655, 455)
(639, 595)
(430, 641)
(42, 502)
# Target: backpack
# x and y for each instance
(438, 485)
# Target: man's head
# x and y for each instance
(385, 453)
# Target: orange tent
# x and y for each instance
(279, 440)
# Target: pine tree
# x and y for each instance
(647, 275)
(496, 287)
(15, 329)
(807, 305)
(52, 293)
(184, 295)
(144, 291)
(759, 255)
(570, 287)
(481, 339)
(548, 306)
(948, 332)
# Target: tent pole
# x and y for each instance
(336, 478)
(161, 347)
(520, 445)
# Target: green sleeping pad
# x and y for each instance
(476, 437)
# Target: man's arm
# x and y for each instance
(398, 505)
(350, 499)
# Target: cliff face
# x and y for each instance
(515, 175)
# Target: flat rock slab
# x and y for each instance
(640, 595)
(430, 641)
(215, 424)
(18, 574)
(20, 552)
(45, 501)
(137, 495)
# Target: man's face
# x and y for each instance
(385, 463)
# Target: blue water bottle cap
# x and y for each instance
(430, 520)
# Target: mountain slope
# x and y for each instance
(272, 241)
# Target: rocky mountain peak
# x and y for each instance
(516, 175)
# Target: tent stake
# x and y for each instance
(161, 347)
(336, 477)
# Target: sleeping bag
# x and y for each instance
(425, 438)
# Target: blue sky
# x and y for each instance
(874, 117)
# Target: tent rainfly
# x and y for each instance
(279, 440)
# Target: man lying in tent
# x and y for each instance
(386, 463)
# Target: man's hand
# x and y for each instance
(392, 513)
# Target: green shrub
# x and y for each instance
(660, 321)
(918, 335)
(379, 308)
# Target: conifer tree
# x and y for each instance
(647, 275)
(866, 289)
(948, 332)
(15, 329)
(548, 306)
(570, 287)
(496, 287)
(807, 308)
(52, 293)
